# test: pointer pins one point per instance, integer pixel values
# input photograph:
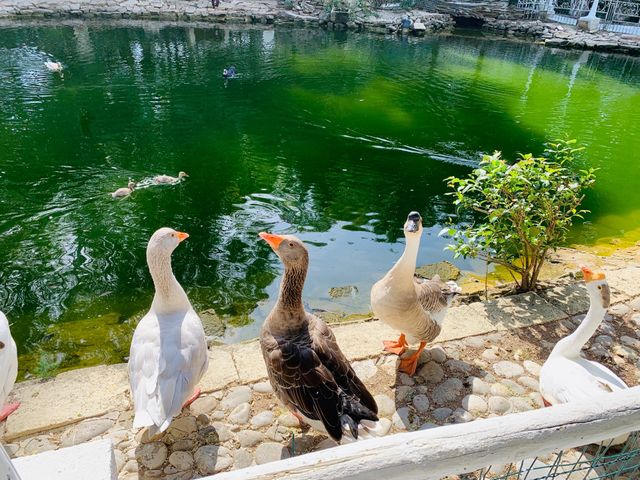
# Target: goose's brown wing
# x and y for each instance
(308, 374)
(430, 294)
(332, 357)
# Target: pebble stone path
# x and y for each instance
(456, 381)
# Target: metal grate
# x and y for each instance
(621, 462)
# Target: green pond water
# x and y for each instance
(332, 136)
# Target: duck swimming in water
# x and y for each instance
(124, 191)
(168, 179)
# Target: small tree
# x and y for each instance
(526, 208)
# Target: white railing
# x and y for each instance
(455, 449)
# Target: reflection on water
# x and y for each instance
(332, 136)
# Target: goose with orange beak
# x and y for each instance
(566, 376)
(168, 352)
(307, 370)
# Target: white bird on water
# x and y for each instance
(53, 66)
(168, 352)
(8, 367)
(168, 179)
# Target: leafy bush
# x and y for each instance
(526, 209)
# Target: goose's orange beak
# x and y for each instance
(590, 276)
(182, 236)
(273, 240)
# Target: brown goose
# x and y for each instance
(413, 306)
(307, 370)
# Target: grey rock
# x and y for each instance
(460, 415)
(474, 404)
(474, 342)
(242, 459)
(447, 391)
(270, 452)
(203, 405)
(536, 399)
(262, 419)
(346, 291)
(183, 444)
(151, 455)
(277, 433)
(235, 397)
(437, 354)
(529, 382)
(421, 403)
(442, 413)
(604, 340)
(427, 426)
(446, 270)
(619, 310)
(431, 372)
(240, 414)
(263, 387)
(85, 431)
(131, 466)
(498, 405)
(406, 379)
(213, 325)
(458, 366)
(249, 438)
(403, 394)
(212, 459)
(181, 460)
(386, 406)
(182, 427)
(508, 369)
(513, 387)
(120, 458)
(632, 342)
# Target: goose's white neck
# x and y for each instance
(170, 296)
(570, 346)
(405, 267)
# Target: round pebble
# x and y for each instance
(437, 354)
(203, 405)
(458, 366)
(249, 438)
(270, 452)
(181, 460)
(235, 397)
(242, 459)
(365, 369)
(152, 455)
(478, 386)
(288, 420)
(447, 391)
(262, 419)
(432, 372)
(508, 369)
(519, 404)
(529, 382)
(474, 404)
(183, 427)
(513, 387)
(442, 413)
(400, 418)
(403, 394)
(262, 387)
(460, 415)
(240, 414)
(421, 403)
(491, 355)
(212, 459)
(604, 340)
(532, 367)
(406, 379)
(498, 405)
(500, 390)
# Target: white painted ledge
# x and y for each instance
(93, 460)
(455, 449)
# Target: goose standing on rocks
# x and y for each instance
(307, 370)
(168, 179)
(8, 367)
(413, 306)
(124, 191)
(168, 352)
(566, 376)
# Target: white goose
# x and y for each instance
(566, 376)
(415, 307)
(124, 191)
(168, 352)
(8, 367)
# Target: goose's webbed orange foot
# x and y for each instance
(409, 364)
(396, 346)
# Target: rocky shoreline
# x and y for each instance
(314, 14)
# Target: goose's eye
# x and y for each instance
(599, 287)
(291, 244)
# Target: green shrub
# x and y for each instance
(524, 209)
